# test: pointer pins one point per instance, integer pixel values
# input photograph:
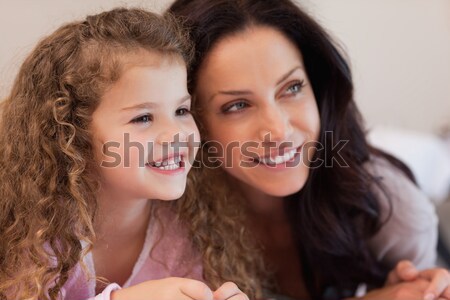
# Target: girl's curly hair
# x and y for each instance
(48, 175)
(217, 225)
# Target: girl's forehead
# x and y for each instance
(150, 81)
(149, 58)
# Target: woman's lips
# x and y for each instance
(278, 157)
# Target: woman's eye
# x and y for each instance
(236, 106)
(182, 112)
(295, 88)
(142, 119)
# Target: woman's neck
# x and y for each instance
(270, 225)
(262, 206)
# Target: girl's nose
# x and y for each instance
(171, 133)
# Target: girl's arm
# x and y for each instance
(106, 293)
(172, 288)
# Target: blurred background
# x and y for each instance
(399, 52)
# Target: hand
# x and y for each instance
(438, 278)
(413, 290)
(229, 291)
(172, 288)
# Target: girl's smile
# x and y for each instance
(173, 164)
(146, 116)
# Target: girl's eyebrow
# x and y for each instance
(141, 105)
(153, 104)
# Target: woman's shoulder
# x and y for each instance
(388, 173)
(409, 220)
(399, 197)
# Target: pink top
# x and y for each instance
(172, 256)
(410, 233)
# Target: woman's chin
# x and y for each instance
(279, 189)
(282, 191)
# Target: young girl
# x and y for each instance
(96, 124)
(275, 95)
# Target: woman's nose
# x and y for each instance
(275, 124)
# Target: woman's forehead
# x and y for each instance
(257, 51)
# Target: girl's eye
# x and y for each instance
(233, 107)
(295, 88)
(143, 119)
(182, 112)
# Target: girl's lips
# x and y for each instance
(171, 157)
(178, 171)
(169, 165)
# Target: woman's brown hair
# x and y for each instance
(337, 210)
(48, 176)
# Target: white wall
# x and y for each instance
(400, 53)
(399, 49)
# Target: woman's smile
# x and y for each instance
(254, 92)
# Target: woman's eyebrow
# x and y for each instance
(283, 78)
(232, 93)
(247, 92)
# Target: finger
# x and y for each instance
(439, 282)
(196, 290)
(404, 271)
(240, 296)
(446, 293)
(408, 291)
(228, 290)
(421, 284)
(184, 297)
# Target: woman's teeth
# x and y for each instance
(278, 159)
(167, 164)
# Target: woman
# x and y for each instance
(274, 99)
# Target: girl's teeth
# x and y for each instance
(170, 167)
(168, 164)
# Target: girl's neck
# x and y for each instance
(121, 219)
(121, 227)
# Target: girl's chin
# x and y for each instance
(165, 196)
(172, 197)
